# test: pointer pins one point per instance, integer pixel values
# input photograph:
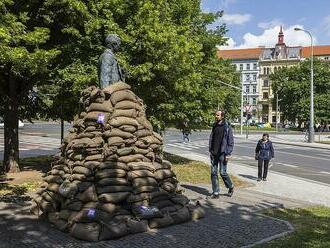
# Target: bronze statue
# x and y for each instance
(109, 71)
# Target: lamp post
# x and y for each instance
(311, 114)
(242, 92)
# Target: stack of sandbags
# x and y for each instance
(110, 179)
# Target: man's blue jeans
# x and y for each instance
(219, 161)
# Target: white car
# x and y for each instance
(20, 124)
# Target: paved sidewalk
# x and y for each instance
(229, 222)
(278, 184)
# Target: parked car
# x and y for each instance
(20, 124)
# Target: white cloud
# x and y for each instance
(230, 44)
(273, 23)
(269, 38)
(326, 23)
(236, 19)
(225, 3)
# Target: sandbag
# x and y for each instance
(128, 128)
(121, 95)
(113, 165)
(145, 181)
(125, 104)
(169, 187)
(144, 122)
(120, 120)
(106, 106)
(139, 173)
(180, 199)
(108, 207)
(116, 132)
(82, 170)
(106, 173)
(180, 216)
(112, 181)
(125, 112)
(88, 195)
(114, 197)
(162, 174)
(115, 141)
(53, 179)
(144, 189)
(53, 187)
(125, 151)
(113, 231)
(86, 231)
(138, 197)
(137, 226)
(197, 212)
(143, 133)
(161, 222)
(141, 166)
(116, 87)
(91, 165)
(131, 158)
(96, 157)
(113, 188)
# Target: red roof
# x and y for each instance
(317, 50)
(249, 53)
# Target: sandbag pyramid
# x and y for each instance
(110, 179)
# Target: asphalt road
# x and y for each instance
(303, 162)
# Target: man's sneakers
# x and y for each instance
(231, 192)
(214, 196)
(259, 179)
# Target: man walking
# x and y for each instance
(221, 145)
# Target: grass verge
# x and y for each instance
(312, 227)
(196, 172)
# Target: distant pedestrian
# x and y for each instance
(221, 145)
(186, 131)
(264, 153)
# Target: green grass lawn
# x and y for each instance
(196, 172)
(312, 227)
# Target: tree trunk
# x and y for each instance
(11, 155)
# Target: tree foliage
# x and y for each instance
(293, 87)
(50, 48)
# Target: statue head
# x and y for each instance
(113, 42)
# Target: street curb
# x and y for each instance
(265, 240)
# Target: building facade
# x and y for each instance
(255, 66)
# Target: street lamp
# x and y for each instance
(242, 92)
(311, 114)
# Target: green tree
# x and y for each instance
(23, 61)
(293, 87)
(168, 51)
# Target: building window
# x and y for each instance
(254, 88)
(265, 95)
(241, 67)
(254, 101)
(255, 66)
(264, 70)
(247, 88)
(268, 70)
(326, 58)
(248, 66)
(254, 77)
(265, 83)
(247, 77)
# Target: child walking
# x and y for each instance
(264, 153)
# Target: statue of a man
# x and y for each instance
(109, 70)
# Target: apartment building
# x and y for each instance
(265, 61)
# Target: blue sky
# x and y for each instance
(254, 23)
